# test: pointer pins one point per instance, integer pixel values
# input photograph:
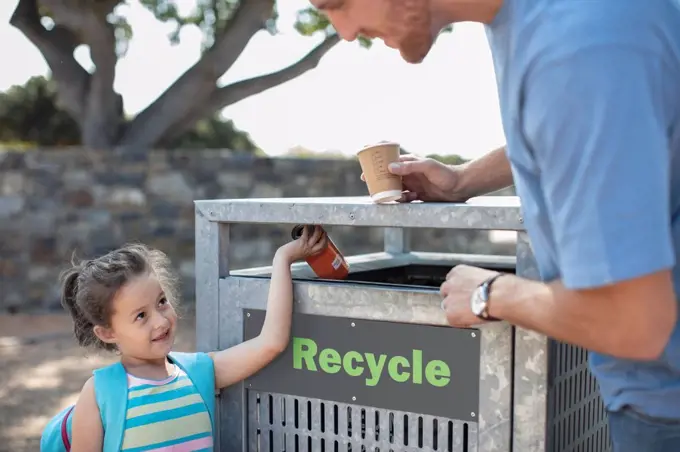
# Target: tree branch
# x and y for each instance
(197, 84)
(56, 46)
(235, 92)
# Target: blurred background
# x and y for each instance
(116, 115)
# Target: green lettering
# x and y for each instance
(375, 368)
(438, 373)
(329, 361)
(304, 349)
(392, 369)
(352, 369)
(417, 367)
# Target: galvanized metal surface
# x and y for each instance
(557, 406)
(397, 240)
(212, 263)
(576, 417)
(531, 370)
(279, 422)
(493, 212)
(207, 277)
(397, 305)
(219, 325)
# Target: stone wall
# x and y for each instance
(54, 203)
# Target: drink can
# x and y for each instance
(329, 263)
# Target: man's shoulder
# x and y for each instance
(562, 28)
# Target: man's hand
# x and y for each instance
(457, 290)
(426, 179)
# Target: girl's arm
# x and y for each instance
(87, 431)
(243, 360)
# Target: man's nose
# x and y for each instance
(345, 28)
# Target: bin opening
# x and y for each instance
(428, 275)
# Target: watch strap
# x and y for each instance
(487, 286)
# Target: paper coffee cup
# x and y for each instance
(383, 186)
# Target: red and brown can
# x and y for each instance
(329, 263)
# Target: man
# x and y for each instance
(590, 100)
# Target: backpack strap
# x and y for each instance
(110, 386)
(65, 428)
(200, 369)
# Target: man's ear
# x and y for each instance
(105, 334)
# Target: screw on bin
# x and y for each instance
(473, 334)
(353, 324)
(248, 314)
(354, 398)
(472, 414)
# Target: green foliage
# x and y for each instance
(213, 17)
(214, 133)
(29, 114)
(302, 152)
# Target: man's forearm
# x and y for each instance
(632, 320)
(486, 174)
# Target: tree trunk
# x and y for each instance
(89, 98)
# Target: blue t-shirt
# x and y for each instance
(590, 102)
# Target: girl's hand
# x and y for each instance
(311, 242)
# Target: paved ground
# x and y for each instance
(42, 371)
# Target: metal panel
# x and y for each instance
(531, 369)
(494, 212)
(279, 422)
(304, 369)
(212, 243)
(233, 404)
(557, 405)
(208, 245)
(397, 305)
(576, 419)
(397, 240)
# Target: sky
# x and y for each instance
(446, 105)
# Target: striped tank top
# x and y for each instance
(166, 415)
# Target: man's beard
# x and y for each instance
(411, 19)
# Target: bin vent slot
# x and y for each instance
(280, 423)
(577, 420)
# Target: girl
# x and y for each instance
(125, 302)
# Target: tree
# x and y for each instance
(58, 27)
(29, 114)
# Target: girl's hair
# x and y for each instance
(88, 288)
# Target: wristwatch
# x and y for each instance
(479, 301)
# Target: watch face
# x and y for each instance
(477, 303)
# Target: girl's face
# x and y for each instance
(143, 322)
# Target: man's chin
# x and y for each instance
(417, 51)
(413, 57)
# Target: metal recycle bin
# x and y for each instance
(372, 365)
